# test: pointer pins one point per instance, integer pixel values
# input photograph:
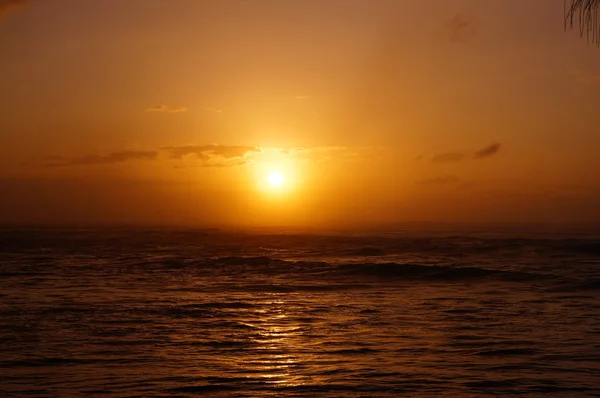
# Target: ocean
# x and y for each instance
(184, 312)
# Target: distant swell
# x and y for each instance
(358, 272)
(506, 352)
(587, 286)
(433, 272)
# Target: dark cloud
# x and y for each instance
(6, 6)
(214, 155)
(459, 29)
(487, 151)
(482, 153)
(167, 109)
(116, 157)
(441, 180)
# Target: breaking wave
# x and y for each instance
(360, 271)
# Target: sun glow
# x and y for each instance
(276, 176)
(276, 179)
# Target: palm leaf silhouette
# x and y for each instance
(587, 10)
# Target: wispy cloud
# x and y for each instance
(458, 29)
(210, 155)
(488, 151)
(326, 153)
(457, 156)
(167, 109)
(115, 157)
(213, 155)
(7, 6)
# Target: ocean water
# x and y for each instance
(177, 313)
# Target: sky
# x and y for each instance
(291, 112)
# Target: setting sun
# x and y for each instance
(276, 179)
(277, 173)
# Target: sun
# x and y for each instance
(276, 179)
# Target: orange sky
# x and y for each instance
(375, 111)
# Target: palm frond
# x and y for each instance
(589, 21)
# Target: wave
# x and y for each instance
(51, 361)
(365, 252)
(361, 271)
(433, 272)
(507, 352)
(38, 242)
(592, 285)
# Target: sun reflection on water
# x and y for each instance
(278, 343)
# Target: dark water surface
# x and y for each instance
(131, 313)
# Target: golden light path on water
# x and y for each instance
(264, 342)
(278, 340)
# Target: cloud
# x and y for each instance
(167, 109)
(7, 6)
(326, 153)
(214, 155)
(487, 151)
(459, 29)
(482, 153)
(115, 157)
(300, 151)
(441, 180)
(211, 155)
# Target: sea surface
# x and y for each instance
(178, 313)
